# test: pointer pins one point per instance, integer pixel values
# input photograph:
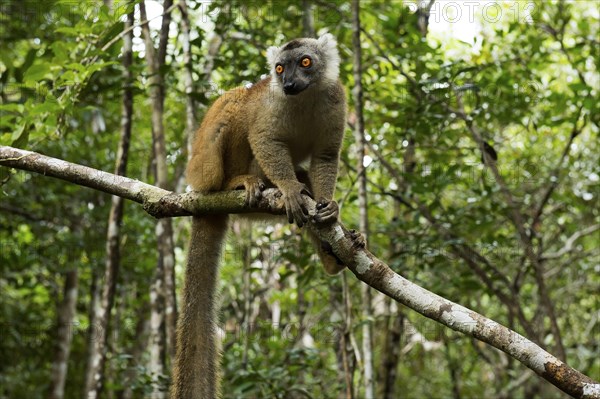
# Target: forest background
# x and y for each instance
(470, 163)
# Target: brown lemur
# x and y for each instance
(250, 138)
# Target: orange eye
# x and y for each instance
(306, 62)
(279, 69)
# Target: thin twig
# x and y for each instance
(568, 247)
(125, 31)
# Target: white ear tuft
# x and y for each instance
(328, 46)
(327, 41)
(272, 54)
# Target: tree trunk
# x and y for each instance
(139, 346)
(359, 137)
(66, 314)
(308, 22)
(214, 44)
(156, 339)
(95, 381)
(391, 350)
(163, 289)
(394, 327)
(349, 356)
(188, 79)
(92, 357)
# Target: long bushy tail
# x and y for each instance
(196, 369)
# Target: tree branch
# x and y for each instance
(471, 257)
(156, 201)
(568, 247)
(518, 221)
(365, 266)
(554, 177)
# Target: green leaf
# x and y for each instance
(20, 137)
(76, 66)
(590, 103)
(29, 59)
(46, 106)
(68, 78)
(38, 72)
(11, 108)
(100, 65)
(72, 31)
(60, 50)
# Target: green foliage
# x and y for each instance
(527, 83)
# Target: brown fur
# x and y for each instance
(250, 136)
(196, 366)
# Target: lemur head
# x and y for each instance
(302, 63)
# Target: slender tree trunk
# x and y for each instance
(359, 137)
(336, 304)
(140, 344)
(301, 306)
(246, 289)
(66, 314)
(308, 22)
(188, 80)
(163, 289)
(395, 329)
(214, 44)
(394, 324)
(98, 349)
(391, 350)
(92, 357)
(165, 228)
(156, 339)
(453, 369)
(348, 354)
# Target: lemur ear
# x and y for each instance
(327, 42)
(272, 54)
(328, 47)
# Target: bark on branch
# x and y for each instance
(366, 267)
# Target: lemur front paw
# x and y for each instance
(295, 208)
(327, 212)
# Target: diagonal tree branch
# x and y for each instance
(518, 221)
(365, 266)
(554, 177)
(568, 247)
(472, 258)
